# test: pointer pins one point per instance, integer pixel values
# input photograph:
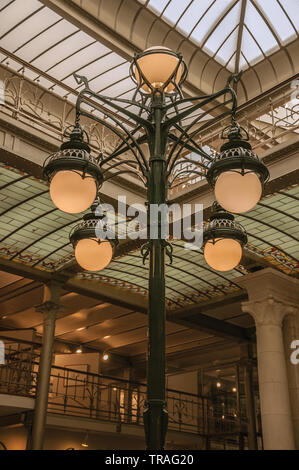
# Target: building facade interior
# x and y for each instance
(74, 342)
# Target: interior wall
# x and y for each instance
(92, 360)
(15, 438)
(187, 382)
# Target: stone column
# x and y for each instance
(291, 341)
(269, 304)
(49, 308)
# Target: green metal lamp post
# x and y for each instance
(158, 74)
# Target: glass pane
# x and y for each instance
(223, 30)
(227, 50)
(242, 63)
(158, 5)
(29, 29)
(15, 13)
(259, 29)
(278, 20)
(210, 19)
(110, 77)
(47, 39)
(192, 15)
(63, 49)
(292, 9)
(79, 60)
(4, 3)
(175, 9)
(231, 65)
(250, 49)
(98, 67)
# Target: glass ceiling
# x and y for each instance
(34, 232)
(46, 43)
(236, 33)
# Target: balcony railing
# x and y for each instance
(84, 394)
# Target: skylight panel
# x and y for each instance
(231, 65)
(209, 20)
(250, 49)
(227, 50)
(158, 5)
(79, 60)
(175, 10)
(62, 50)
(3, 4)
(279, 21)
(109, 77)
(292, 9)
(48, 38)
(99, 67)
(259, 30)
(15, 13)
(222, 31)
(242, 63)
(29, 29)
(192, 15)
(118, 88)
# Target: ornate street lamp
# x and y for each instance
(74, 175)
(93, 243)
(237, 174)
(162, 110)
(223, 240)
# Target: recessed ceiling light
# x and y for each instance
(107, 337)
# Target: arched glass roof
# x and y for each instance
(236, 33)
(35, 233)
(51, 49)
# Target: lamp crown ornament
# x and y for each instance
(76, 140)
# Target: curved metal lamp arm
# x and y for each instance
(142, 163)
(124, 146)
(203, 100)
(110, 102)
(189, 161)
(193, 147)
(199, 173)
(123, 172)
(183, 144)
(116, 164)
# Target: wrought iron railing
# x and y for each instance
(84, 394)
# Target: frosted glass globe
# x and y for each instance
(93, 256)
(157, 68)
(238, 193)
(71, 193)
(225, 254)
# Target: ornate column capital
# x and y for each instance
(270, 283)
(51, 301)
(268, 311)
(49, 307)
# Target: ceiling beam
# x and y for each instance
(219, 328)
(240, 35)
(124, 298)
